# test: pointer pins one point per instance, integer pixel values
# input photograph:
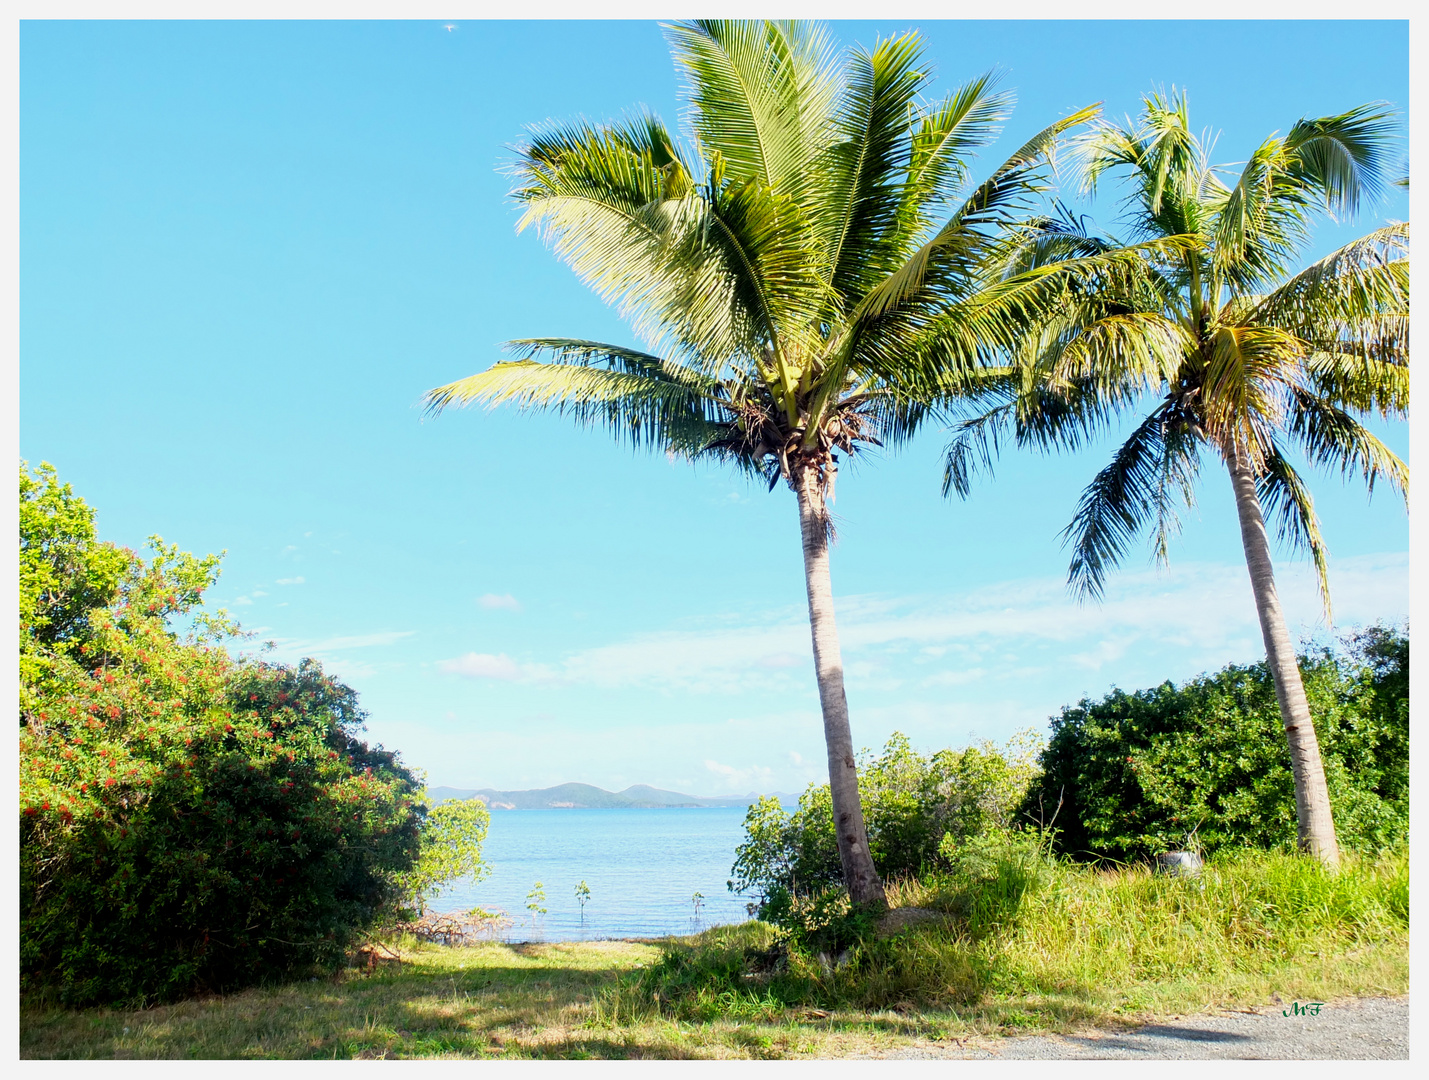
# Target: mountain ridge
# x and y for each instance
(575, 796)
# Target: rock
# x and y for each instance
(1179, 864)
(896, 920)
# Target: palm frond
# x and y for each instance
(976, 445)
(761, 95)
(1346, 158)
(1055, 237)
(1352, 304)
(636, 233)
(1173, 158)
(1165, 160)
(1259, 222)
(1244, 379)
(642, 398)
(772, 259)
(966, 235)
(1331, 437)
(1153, 469)
(946, 134)
(862, 174)
(1286, 500)
(1364, 376)
(991, 324)
(1037, 415)
(1122, 354)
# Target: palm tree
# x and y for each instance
(800, 295)
(1265, 360)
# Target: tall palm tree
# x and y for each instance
(811, 272)
(1266, 359)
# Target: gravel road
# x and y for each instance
(1356, 1029)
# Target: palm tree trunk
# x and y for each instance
(1316, 826)
(861, 878)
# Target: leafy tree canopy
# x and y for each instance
(187, 821)
(1138, 773)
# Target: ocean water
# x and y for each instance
(642, 867)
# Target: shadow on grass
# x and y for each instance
(416, 1010)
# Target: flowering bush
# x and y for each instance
(187, 821)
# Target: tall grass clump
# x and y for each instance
(1248, 912)
(1018, 923)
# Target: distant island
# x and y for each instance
(588, 797)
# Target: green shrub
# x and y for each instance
(187, 821)
(911, 804)
(819, 922)
(1137, 773)
(450, 850)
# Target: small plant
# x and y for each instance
(534, 901)
(698, 901)
(582, 898)
(820, 922)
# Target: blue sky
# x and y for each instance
(247, 249)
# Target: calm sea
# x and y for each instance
(642, 867)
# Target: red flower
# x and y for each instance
(109, 782)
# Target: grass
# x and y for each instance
(1033, 948)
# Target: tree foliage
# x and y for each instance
(452, 835)
(1216, 343)
(813, 266)
(918, 808)
(187, 821)
(1137, 773)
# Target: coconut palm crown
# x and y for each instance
(812, 270)
(1265, 360)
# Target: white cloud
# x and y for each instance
(1204, 612)
(290, 581)
(355, 641)
(259, 592)
(505, 602)
(955, 677)
(783, 660)
(346, 669)
(329, 650)
(483, 666)
(242, 601)
(740, 780)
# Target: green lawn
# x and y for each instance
(1077, 948)
(523, 1001)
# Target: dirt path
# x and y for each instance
(1357, 1029)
